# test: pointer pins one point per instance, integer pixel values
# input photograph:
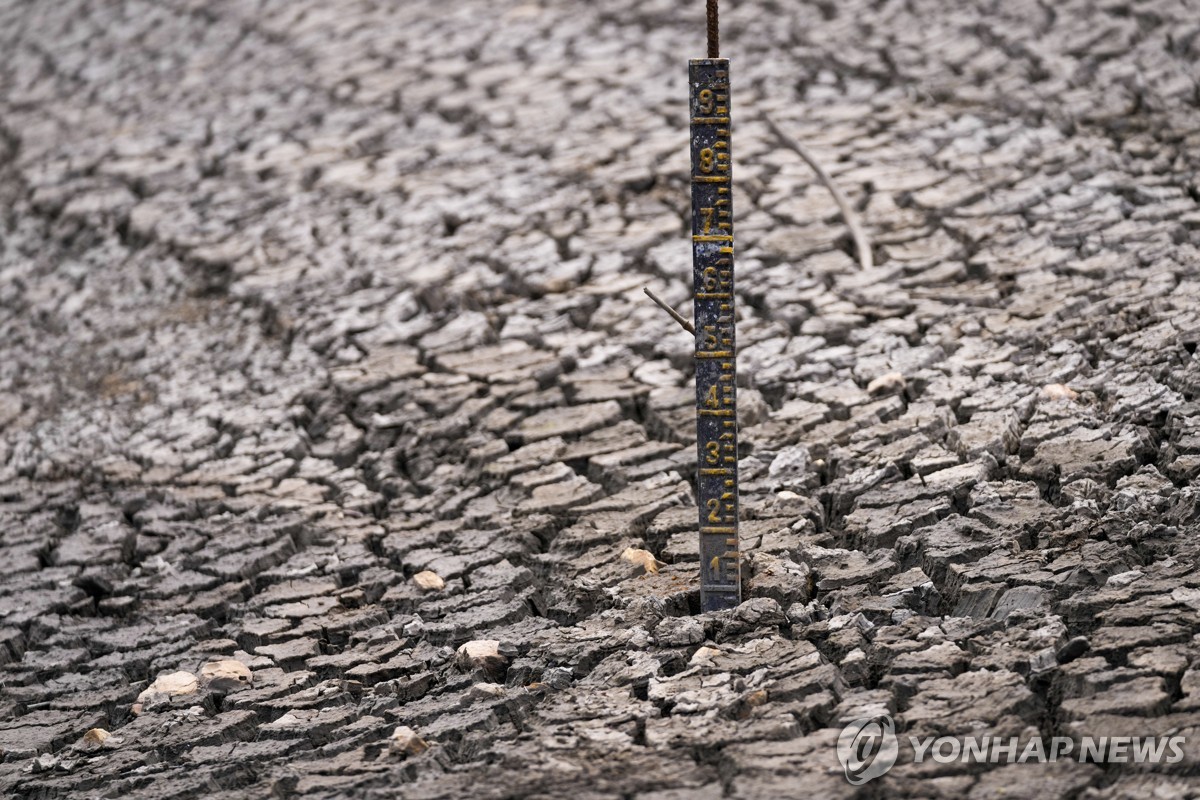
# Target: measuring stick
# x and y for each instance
(716, 365)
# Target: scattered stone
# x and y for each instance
(483, 655)
(704, 656)
(165, 687)
(429, 581)
(96, 739)
(889, 383)
(557, 678)
(487, 691)
(226, 675)
(1072, 650)
(405, 742)
(1057, 392)
(45, 763)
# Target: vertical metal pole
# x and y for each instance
(716, 370)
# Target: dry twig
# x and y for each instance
(675, 315)
(861, 243)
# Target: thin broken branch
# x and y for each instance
(675, 315)
(861, 243)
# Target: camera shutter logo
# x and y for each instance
(867, 748)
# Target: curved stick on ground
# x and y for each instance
(861, 243)
(675, 315)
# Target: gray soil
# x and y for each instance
(300, 299)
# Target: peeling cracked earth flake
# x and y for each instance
(325, 363)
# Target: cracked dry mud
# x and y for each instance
(299, 301)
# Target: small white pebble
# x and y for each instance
(405, 741)
(480, 654)
(891, 383)
(1057, 391)
(429, 581)
(703, 655)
